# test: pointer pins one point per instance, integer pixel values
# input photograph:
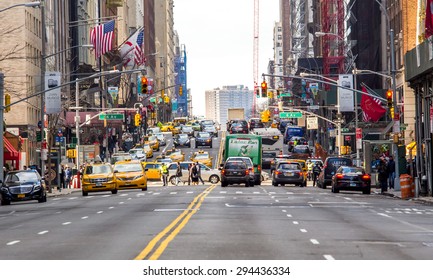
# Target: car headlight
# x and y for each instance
(138, 177)
(86, 180)
(37, 187)
(4, 189)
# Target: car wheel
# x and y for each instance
(144, 189)
(324, 185)
(5, 202)
(85, 193)
(210, 146)
(283, 185)
(334, 190)
(42, 199)
(247, 184)
(274, 184)
(214, 179)
(224, 184)
(367, 191)
(114, 191)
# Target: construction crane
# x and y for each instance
(256, 55)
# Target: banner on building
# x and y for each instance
(346, 93)
(53, 100)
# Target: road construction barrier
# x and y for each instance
(74, 183)
(407, 186)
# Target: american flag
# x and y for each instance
(131, 51)
(101, 38)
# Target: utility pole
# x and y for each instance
(2, 163)
(43, 70)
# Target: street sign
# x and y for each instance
(290, 115)
(313, 107)
(111, 117)
(312, 123)
(344, 129)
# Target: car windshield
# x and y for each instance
(357, 170)
(98, 169)
(128, 167)
(235, 165)
(183, 136)
(289, 166)
(22, 177)
(187, 128)
(301, 149)
(269, 154)
(204, 135)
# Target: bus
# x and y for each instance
(245, 145)
(272, 144)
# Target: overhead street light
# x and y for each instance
(29, 4)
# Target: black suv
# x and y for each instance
(236, 172)
(330, 166)
(237, 126)
(255, 123)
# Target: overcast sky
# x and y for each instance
(218, 37)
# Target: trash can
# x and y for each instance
(406, 186)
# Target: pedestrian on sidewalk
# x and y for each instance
(68, 176)
(383, 175)
(391, 172)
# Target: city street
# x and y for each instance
(212, 223)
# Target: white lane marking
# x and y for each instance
(13, 242)
(58, 212)
(276, 200)
(99, 212)
(124, 194)
(173, 193)
(303, 230)
(71, 198)
(347, 198)
(157, 193)
(384, 215)
(43, 232)
(84, 217)
(129, 198)
(256, 192)
(66, 223)
(111, 207)
(329, 257)
(223, 192)
(121, 202)
(106, 195)
(288, 215)
(295, 223)
(314, 241)
(284, 211)
(238, 192)
(189, 192)
(272, 192)
(54, 199)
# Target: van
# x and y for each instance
(330, 166)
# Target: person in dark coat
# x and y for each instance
(391, 172)
(382, 170)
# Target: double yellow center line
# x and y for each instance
(169, 233)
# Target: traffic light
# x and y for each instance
(180, 90)
(389, 98)
(72, 153)
(144, 85)
(7, 102)
(278, 93)
(264, 87)
(265, 116)
(137, 119)
(270, 94)
(257, 93)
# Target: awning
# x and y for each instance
(10, 152)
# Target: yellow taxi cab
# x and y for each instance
(166, 127)
(148, 150)
(153, 141)
(175, 155)
(98, 177)
(176, 130)
(130, 174)
(153, 170)
(202, 157)
(304, 167)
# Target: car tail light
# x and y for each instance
(247, 172)
(223, 172)
(339, 176)
(277, 172)
(366, 177)
(259, 168)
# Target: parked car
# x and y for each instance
(22, 185)
(351, 178)
(330, 166)
(203, 139)
(207, 174)
(288, 172)
(181, 140)
(236, 172)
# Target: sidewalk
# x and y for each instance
(397, 194)
(56, 192)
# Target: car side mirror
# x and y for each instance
(116, 171)
(146, 169)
